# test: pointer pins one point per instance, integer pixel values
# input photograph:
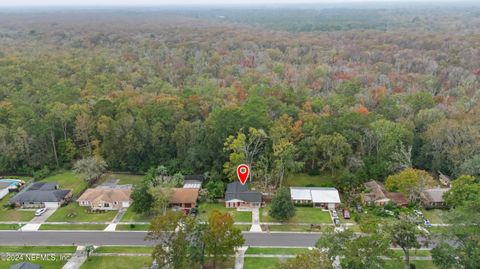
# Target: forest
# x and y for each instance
(359, 94)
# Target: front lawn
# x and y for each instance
(38, 249)
(69, 181)
(436, 216)
(75, 213)
(418, 264)
(133, 227)
(262, 263)
(305, 180)
(205, 209)
(122, 249)
(99, 227)
(10, 227)
(45, 264)
(302, 215)
(276, 251)
(296, 228)
(131, 216)
(117, 262)
(8, 214)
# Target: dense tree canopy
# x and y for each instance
(185, 90)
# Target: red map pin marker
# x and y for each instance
(242, 173)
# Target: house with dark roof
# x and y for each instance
(433, 198)
(41, 194)
(238, 195)
(25, 265)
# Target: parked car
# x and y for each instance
(334, 214)
(418, 212)
(193, 211)
(427, 223)
(40, 211)
(346, 213)
(336, 221)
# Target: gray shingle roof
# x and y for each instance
(236, 190)
(40, 192)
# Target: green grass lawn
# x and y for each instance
(68, 180)
(206, 208)
(75, 213)
(10, 227)
(99, 227)
(131, 216)
(136, 227)
(305, 180)
(243, 227)
(418, 264)
(302, 215)
(107, 262)
(38, 249)
(436, 216)
(57, 264)
(261, 263)
(123, 178)
(418, 253)
(8, 214)
(122, 249)
(287, 251)
(296, 228)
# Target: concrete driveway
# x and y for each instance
(37, 221)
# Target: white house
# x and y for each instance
(327, 198)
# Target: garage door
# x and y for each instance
(51, 205)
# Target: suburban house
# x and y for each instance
(41, 194)
(238, 195)
(8, 185)
(433, 198)
(193, 181)
(184, 198)
(106, 198)
(327, 198)
(376, 194)
(25, 265)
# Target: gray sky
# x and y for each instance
(179, 2)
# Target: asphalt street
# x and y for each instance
(45, 238)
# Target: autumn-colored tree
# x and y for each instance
(221, 237)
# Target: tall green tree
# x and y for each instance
(221, 237)
(282, 207)
(406, 235)
(334, 150)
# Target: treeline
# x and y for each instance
(145, 89)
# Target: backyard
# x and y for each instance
(123, 178)
(305, 180)
(68, 180)
(75, 213)
(205, 209)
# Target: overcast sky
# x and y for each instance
(180, 2)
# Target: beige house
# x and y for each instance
(106, 198)
(433, 198)
(375, 193)
(184, 199)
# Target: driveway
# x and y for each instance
(113, 226)
(37, 221)
(256, 220)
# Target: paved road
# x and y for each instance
(137, 238)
